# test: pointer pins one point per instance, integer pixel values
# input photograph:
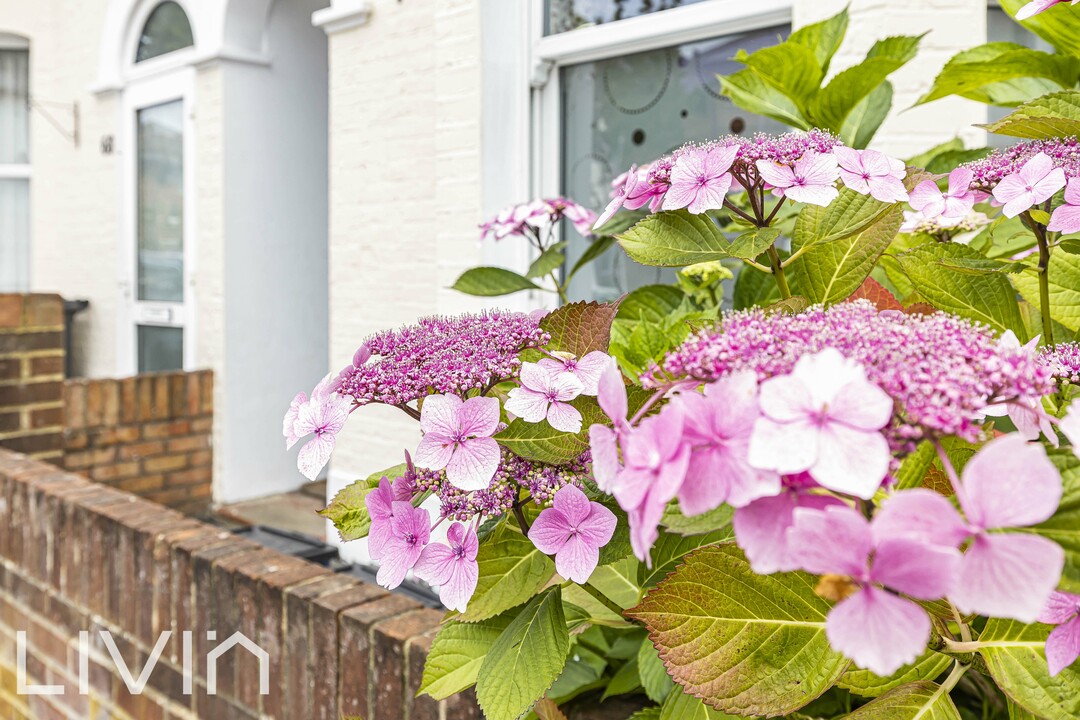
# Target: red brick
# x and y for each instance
(26, 342)
(186, 444)
(35, 444)
(202, 425)
(128, 400)
(140, 450)
(112, 473)
(154, 431)
(10, 369)
(166, 463)
(9, 421)
(41, 310)
(392, 641)
(11, 310)
(46, 365)
(161, 397)
(195, 476)
(46, 417)
(355, 696)
(28, 393)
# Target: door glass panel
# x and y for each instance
(564, 15)
(166, 30)
(160, 348)
(14, 117)
(14, 234)
(632, 110)
(161, 202)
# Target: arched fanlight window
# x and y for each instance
(166, 30)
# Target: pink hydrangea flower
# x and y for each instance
(812, 180)
(719, 423)
(410, 530)
(380, 506)
(587, 369)
(1037, 6)
(761, 527)
(1066, 218)
(700, 180)
(1009, 483)
(950, 207)
(878, 630)
(457, 437)
(544, 394)
(1036, 181)
(872, 173)
(1027, 415)
(1063, 645)
(604, 441)
(322, 415)
(288, 423)
(573, 529)
(632, 192)
(452, 566)
(824, 418)
(655, 459)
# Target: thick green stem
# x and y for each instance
(603, 599)
(1043, 270)
(778, 273)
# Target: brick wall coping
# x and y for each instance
(76, 555)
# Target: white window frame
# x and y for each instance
(665, 28)
(153, 82)
(18, 171)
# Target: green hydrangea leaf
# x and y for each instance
(491, 282)
(782, 659)
(1064, 527)
(347, 510)
(549, 261)
(1049, 116)
(680, 706)
(865, 683)
(675, 239)
(581, 327)
(456, 654)
(511, 570)
(1064, 280)
(1014, 654)
(923, 700)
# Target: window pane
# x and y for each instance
(564, 15)
(14, 235)
(160, 348)
(167, 29)
(1002, 28)
(161, 202)
(14, 118)
(632, 110)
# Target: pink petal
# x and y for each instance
(611, 392)
(1018, 204)
(1063, 646)
(573, 504)
(835, 540)
(605, 456)
(565, 417)
(566, 386)
(378, 502)
(534, 377)
(861, 405)
(708, 480)
(1060, 608)
(577, 560)
(888, 189)
(1046, 188)
(711, 196)
(1036, 169)
(1010, 483)
(1072, 192)
(761, 531)
(927, 199)
(777, 175)
(719, 160)
(434, 451)
(851, 461)
(378, 536)
(817, 168)
(849, 159)
(436, 564)
(925, 572)
(812, 194)
(599, 527)
(550, 531)
(529, 405)
(748, 484)
(1066, 219)
(631, 486)
(589, 368)
(398, 558)
(1009, 575)
(479, 416)
(878, 631)
(960, 181)
(785, 398)
(474, 464)
(919, 514)
(787, 448)
(314, 455)
(823, 374)
(855, 181)
(439, 415)
(456, 592)
(680, 195)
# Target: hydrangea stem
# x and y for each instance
(602, 599)
(778, 273)
(1043, 270)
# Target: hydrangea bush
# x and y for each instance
(854, 494)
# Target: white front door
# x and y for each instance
(159, 229)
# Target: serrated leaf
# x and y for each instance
(549, 261)
(832, 269)
(865, 683)
(1064, 527)
(1064, 280)
(980, 265)
(749, 91)
(654, 677)
(782, 659)
(347, 510)
(1014, 654)
(788, 306)
(916, 701)
(680, 706)
(546, 709)
(511, 570)
(914, 467)
(1049, 116)
(543, 443)
(670, 548)
(651, 303)
(675, 239)
(491, 282)
(876, 293)
(984, 73)
(649, 713)
(714, 520)
(823, 38)
(580, 328)
(790, 68)
(753, 242)
(618, 581)
(456, 654)
(1060, 28)
(986, 298)
(525, 659)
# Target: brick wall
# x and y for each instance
(76, 555)
(149, 434)
(32, 374)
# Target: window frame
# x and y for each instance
(21, 171)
